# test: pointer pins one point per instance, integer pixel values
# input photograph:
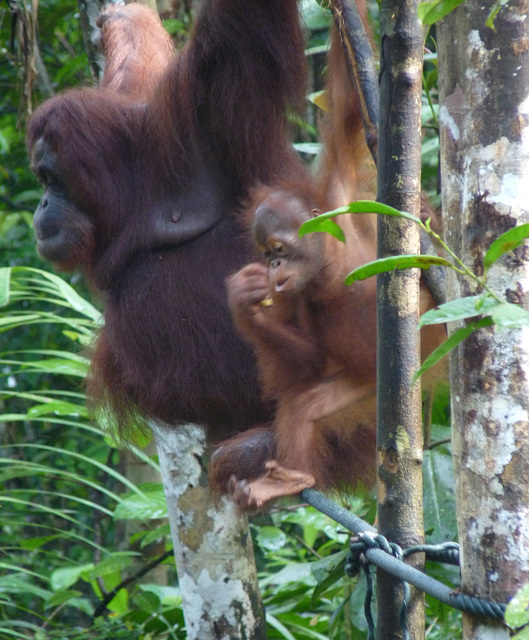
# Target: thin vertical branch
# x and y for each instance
(399, 432)
(89, 11)
(360, 64)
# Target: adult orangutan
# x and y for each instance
(142, 178)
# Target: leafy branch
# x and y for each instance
(493, 309)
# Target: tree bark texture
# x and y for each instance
(484, 123)
(212, 545)
(89, 11)
(399, 428)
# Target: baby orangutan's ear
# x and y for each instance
(314, 213)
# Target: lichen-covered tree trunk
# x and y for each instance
(212, 545)
(399, 432)
(484, 118)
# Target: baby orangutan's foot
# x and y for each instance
(276, 483)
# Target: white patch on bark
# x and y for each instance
(495, 171)
(212, 596)
(502, 412)
(483, 632)
(511, 527)
(523, 107)
(448, 121)
(481, 56)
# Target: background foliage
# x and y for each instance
(75, 529)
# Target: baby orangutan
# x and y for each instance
(315, 344)
(315, 341)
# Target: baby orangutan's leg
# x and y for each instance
(276, 483)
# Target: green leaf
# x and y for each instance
(291, 573)
(279, 627)
(430, 12)
(151, 535)
(510, 316)
(59, 366)
(517, 613)
(69, 598)
(505, 314)
(459, 309)
(327, 571)
(147, 506)
(37, 543)
(62, 596)
(360, 206)
(508, 241)
(490, 23)
(62, 289)
(395, 262)
(116, 562)
(439, 496)
(271, 538)
(447, 346)
(67, 576)
(29, 196)
(4, 143)
(316, 15)
(120, 602)
(5, 277)
(13, 583)
(169, 596)
(58, 408)
(147, 601)
(430, 81)
(71, 296)
(173, 26)
(329, 226)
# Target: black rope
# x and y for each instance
(355, 562)
(396, 567)
(446, 552)
(368, 602)
(356, 559)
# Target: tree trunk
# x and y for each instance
(484, 118)
(399, 432)
(89, 11)
(212, 545)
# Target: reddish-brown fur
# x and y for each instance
(152, 173)
(316, 341)
(315, 348)
(135, 60)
